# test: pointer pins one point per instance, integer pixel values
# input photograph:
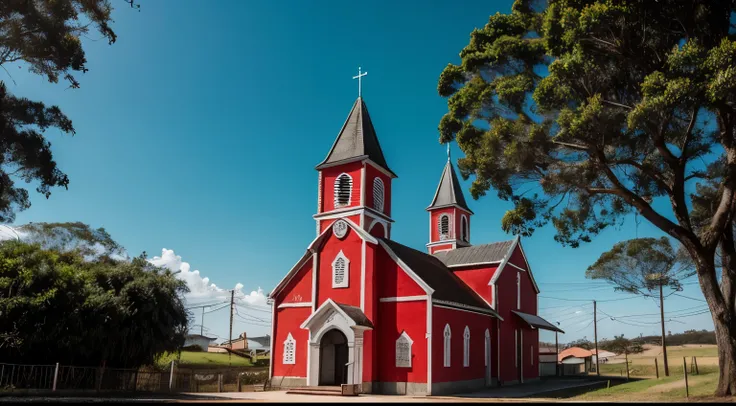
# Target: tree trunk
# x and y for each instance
(724, 321)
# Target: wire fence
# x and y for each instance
(15, 377)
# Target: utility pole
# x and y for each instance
(664, 344)
(232, 310)
(595, 332)
(201, 326)
(557, 355)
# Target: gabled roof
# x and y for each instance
(357, 140)
(475, 254)
(448, 191)
(354, 316)
(315, 246)
(576, 352)
(445, 284)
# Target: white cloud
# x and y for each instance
(201, 290)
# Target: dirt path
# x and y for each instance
(666, 387)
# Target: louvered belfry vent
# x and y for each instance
(343, 190)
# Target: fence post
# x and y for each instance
(219, 383)
(656, 367)
(627, 366)
(684, 368)
(695, 360)
(171, 376)
(56, 375)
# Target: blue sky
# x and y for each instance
(198, 132)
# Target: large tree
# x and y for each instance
(57, 307)
(644, 266)
(581, 112)
(44, 36)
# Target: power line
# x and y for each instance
(588, 300)
(691, 298)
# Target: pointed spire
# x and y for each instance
(448, 191)
(357, 140)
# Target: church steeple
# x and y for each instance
(449, 214)
(354, 178)
(356, 141)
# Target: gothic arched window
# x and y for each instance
(443, 224)
(289, 356)
(448, 337)
(378, 193)
(340, 271)
(464, 228)
(403, 351)
(466, 347)
(343, 190)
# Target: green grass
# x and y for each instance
(691, 352)
(701, 387)
(204, 360)
(646, 369)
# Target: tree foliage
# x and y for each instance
(57, 307)
(582, 343)
(91, 244)
(641, 265)
(45, 37)
(580, 112)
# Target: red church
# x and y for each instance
(361, 309)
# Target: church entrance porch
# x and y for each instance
(335, 354)
(333, 362)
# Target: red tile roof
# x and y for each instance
(576, 352)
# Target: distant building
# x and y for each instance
(244, 343)
(203, 342)
(604, 356)
(575, 361)
(547, 361)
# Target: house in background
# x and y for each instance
(605, 356)
(203, 342)
(575, 361)
(547, 361)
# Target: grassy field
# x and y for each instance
(204, 360)
(664, 389)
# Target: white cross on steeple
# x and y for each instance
(360, 84)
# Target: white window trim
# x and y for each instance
(447, 236)
(518, 290)
(379, 204)
(345, 280)
(285, 360)
(531, 354)
(466, 347)
(516, 348)
(350, 190)
(464, 236)
(487, 347)
(404, 337)
(447, 345)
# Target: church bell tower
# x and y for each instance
(354, 179)
(449, 215)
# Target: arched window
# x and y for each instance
(444, 226)
(464, 228)
(378, 192)
(518, 290)
(487, 357)
(340, 271)
(343, 190)
(289, 356)
(466, 347)
(403, 351)
(448, 336)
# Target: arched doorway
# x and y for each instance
(333, 356)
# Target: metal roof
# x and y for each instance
(447, 286)
(538, 322)
(448, 191)
(357, 140)
(476, 254)
(356, 314)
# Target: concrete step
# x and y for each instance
(317, 390)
